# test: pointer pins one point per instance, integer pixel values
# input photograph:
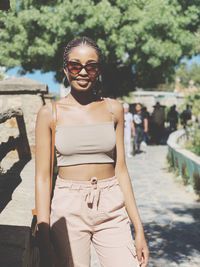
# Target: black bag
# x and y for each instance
(32, 255)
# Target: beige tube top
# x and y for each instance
(79, 144)
(88, 143)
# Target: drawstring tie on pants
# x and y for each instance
(93, 195)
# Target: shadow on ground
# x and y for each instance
(9, 181)
(11, 178)
(12, 245)
(13, 239)
(174, 242)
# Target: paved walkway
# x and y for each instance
(15, 219)
(170, 214)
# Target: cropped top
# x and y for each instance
(87, 143)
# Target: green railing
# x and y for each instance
(186, 162)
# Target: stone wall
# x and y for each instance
(30, 105)
(149, 98)
(186, 162)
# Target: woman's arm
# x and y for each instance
(42, 178)
(133, 128)
(145, 125)
(122, 174)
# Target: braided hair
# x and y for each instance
(83, 41)
(77, 42)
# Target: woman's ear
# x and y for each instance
(65, 82)
(66, 78)
(66, 73)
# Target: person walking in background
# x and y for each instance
(140, 126)
(147, 115)
(172, 118)
(128, 129)
(185, 116)
(158, 120)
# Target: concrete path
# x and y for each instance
(18, 210)
(15, 219)
(170, 214)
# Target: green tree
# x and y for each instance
(142, 40)
(2, 73)
(187, 73)
(194, 101)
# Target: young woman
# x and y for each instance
(93, 192)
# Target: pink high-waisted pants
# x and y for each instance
(91, 211)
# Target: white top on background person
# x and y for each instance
(128, 129)
(128, 119)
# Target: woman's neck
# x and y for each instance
(83, 98)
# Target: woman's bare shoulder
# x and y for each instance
(44, 113)
(117, 107)
(62, 103)
(62, 100)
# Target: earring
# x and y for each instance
(65, 87)
(97, 87)
(65, 82)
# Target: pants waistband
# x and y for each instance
(75, 184)
(91, 189)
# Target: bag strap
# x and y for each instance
(53, 129)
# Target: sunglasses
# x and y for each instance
(75, 68)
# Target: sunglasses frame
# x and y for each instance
(84, 67)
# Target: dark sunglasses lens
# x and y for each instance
(92, 69)
(74, 67)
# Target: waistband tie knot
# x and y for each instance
(93, 194)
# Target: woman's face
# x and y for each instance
(83, 55)
(138, 108)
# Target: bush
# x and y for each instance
(170, 161)
(185, 174)
(193, 100)
(194, 143)
(196, 182)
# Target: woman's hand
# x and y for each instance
(142, 249)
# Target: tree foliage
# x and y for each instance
(193, 100)
(186, 74)
(189, 73)
(142, 40)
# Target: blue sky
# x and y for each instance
(194, 59)
(53, 86)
